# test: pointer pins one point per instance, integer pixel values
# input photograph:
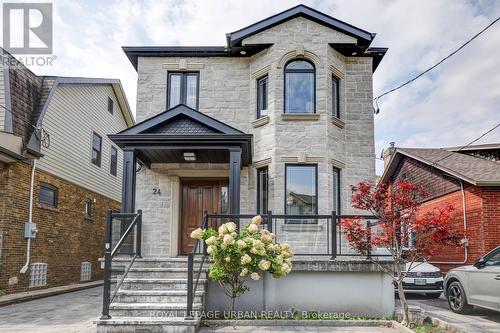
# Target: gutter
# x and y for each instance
(465, 242)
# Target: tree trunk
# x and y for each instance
(233, 300)
(404, 304)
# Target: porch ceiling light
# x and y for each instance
(189, 156)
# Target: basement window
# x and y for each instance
(85, 271)
(38, 275)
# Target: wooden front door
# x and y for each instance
(198, 196)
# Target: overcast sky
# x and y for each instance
(451, 106)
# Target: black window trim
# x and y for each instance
(336, 103)
(48, 187)
(114, 171)
(92, 149)
(263, 77)
(339, 191)
(183, 90)
(314, 221)
(111, 105)
(266, 168)
(313, 71)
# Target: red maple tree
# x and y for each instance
(407, 235)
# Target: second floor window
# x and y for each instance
(96, 149)
(48, 195)
(300, 87)
(114, 161)
(183, 89)
(262, 97)
(262, 190)
(335, 97)
(110, 105)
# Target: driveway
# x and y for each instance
(73, 312)
(479, 321)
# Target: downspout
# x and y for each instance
(465, 242)
(30, 218)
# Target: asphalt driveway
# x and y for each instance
(479, 321)
(73, 312)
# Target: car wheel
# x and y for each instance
(457, 299)
(433, 295)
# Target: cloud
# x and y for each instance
(450, 107)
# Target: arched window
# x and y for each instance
(300, 87)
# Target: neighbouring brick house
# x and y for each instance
(280, 119)
(467, 177)
(77, 176)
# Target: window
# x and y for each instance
(110, 105)
(88, 208)
(300, 90)
(48, 195)
(183, 89)
(114, 161)
(262, 97)
(301, 190)
(335, 97)
(96, 149)
(262, 190)
(336, 190)
(38, 275)
(85, 271)
(493, 259)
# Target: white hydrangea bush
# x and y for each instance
(238, 257)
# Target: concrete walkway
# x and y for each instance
(479, 321)
(67, 313)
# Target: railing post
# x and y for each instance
(138, 239)
(334, 235)
(107, 267)
(204, 226)
(369, 238)
(270, 221)
(189, 307)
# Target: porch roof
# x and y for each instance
(165, 137)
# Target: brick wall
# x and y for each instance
(65, 238)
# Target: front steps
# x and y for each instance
(153, 299)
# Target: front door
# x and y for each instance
(198, 196)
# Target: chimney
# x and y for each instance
(387, 153)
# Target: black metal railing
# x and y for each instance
(307, 235)
(110, 251)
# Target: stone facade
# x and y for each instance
(228, 93)
(65, 237)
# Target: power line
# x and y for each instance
(437, 64)
(467, 145)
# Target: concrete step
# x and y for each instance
(156, 296)
(158, 284)
(180, 262)
(150, 325)
(151, 310)
(160, 272)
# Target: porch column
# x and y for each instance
(234, 179)
(128, 184)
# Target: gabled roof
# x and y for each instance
(234, 47)
(474, 170)
(49, 86)
(363, 36)
(179, 120)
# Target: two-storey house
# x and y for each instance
(59, 174)
(278, 122)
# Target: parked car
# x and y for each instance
(475, 285)
(423, 278)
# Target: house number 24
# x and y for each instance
(156, 190)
